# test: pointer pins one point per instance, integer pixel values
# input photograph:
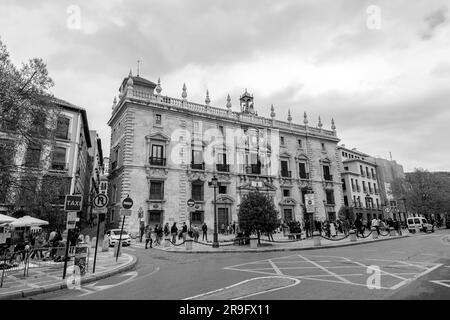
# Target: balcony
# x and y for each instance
(253, 169)
(286, 174)
(113, 165)
(328, 177)
(358, 189)
(368, 176)
(363, 174)
(155, 161)
(304, 175)
(223, 167)
(198, 166)
(365, 190)
(59, 166)
(353, 188)
(370, 191)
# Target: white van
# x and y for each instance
(420, 223)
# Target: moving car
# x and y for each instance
(420, 223)
(114, 235)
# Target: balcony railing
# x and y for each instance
(365, 190)
(370, 191)
(253, 169)
(353, 188)
(368, 176)
(113, 165)
(157, 161)
(328, 177)
(304, 175)
(286, 174)
(223, 167)
(198, 166)
(358, 188)
(60, 166)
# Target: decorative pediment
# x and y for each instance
(263, 186)
(285, 154)
(302, 156)
(288, 201)
(224, 199)
(325, 160)
(160, 136)
(197, 176)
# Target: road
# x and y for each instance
(416, 267)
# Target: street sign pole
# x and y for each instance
(100, 201)
(120, 239)
(96, 242)
(67, 253)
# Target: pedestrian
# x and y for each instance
(166, 229)
(141, 232)
(148, 237)
(222, 228)
(234, 227)
(359, 226)
(204, 231)
(196, 233)
(184, 231)
(174, 231)
(155, 230)
(376, 225)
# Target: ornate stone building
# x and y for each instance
(164, 151)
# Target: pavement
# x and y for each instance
(48, 278)
(226, 245)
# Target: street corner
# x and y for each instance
(248, 288)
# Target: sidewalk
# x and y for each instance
(304, 244)
(49, 278)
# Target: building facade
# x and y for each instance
(360, 184)
(58, 152)
(164, 151)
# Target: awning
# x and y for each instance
(6, 219)
(28, 221)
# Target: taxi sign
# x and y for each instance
(73, 203)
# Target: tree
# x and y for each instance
(257, 213)
(346, 213)
(27, 121)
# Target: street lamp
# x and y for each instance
(214, 183)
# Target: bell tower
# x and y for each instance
(247, 103)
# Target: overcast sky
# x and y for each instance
(384, 81)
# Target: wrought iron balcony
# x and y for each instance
(328, 177)
(253, 169)
(157, 161)
(223, 167)
(304, 175)
(286, 174)
(60, 166)
(198, 166)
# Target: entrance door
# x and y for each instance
(222, 217)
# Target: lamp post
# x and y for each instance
(214, 183)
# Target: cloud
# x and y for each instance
(434, 20)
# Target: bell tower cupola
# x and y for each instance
(246, 100)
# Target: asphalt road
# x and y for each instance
(417, 267)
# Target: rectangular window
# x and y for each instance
(345, 201)
(197, 191)
(344, 187)
(323, 146)
(326, 173)
(346, 168)
(33, 156)
(223, 189)
(197, 217)
(282, 140)
(197, 156)
(367, 172)
(288, 216)
(364, 186)
(156, 190)
(330, 196)
(286, 193)
(158, 119)
(62, 128)
(284, 169)
(300, 143)
(302, 170)
(112, 215)
(378, 203)
(197, 127)
(361, 169)
(113, 196)
(59, 158)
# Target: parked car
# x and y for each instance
(420, 223)
(114, 236)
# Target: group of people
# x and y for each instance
(153, 236)
(227, 229)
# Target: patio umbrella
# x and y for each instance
(6, 219)
(28, 221)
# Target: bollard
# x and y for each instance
(374, 233)
(188, 244)
(316, 237)
(352, 234)
(117, 248)
(253, 243)
(416, 229)
(392, 232)
(105, 245)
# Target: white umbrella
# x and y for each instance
(28, 221)
(6, 219)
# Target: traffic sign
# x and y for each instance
(127, 203)
(71, 220)
(191, 202)
(309, 202)
(73, 203)
(101, 200)
(125, 212)
(387, 209)
(99, 210)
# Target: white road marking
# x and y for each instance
(416, 277)
(277, 270)
(403, 262)
(427, 254)
(442, 282)
(92, 286)
(296, 281)
(382, 271)
(325, 269)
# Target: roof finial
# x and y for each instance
(207, 101)
(130, 74)
(305, 118)
(158, 86)
(320, 123)
(114, 102)
(289, 115)
(333, 126)
(228, 102)
(184, 94)
(272, 112)
(138, 67)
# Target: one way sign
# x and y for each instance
(73, 203)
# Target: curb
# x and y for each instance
(290, 249)
(62, 285)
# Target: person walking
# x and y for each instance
(174, 231)
(332, 229)
(166, 229)
(359, 226)
(155, 230)
(376, 225)
(234, 227)
(184, 231)
(141, 232)
(204, 231)
(148, 237)
(196, 233)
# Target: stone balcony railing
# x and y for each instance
(236, 116)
